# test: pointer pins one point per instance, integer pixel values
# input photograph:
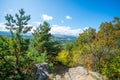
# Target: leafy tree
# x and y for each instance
(83, 46)
(68, 46)
(87, 36)
(116, 24)
(105, 51)
(97, 51)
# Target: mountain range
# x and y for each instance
(58, 37)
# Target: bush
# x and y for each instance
(63, 57)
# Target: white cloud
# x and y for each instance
(86, 28)
(33, 28)
(37, 23)
(55, 29)
(65, 30)
(47, 17)
(68, 17)
(2, 27)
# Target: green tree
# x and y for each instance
(43, 41)
(15, 54)
(87, 36)
(6, 64)
(42, 37)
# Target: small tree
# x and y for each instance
(43, 41)
(15, 55)
(42, 37)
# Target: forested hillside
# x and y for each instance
(96, 50)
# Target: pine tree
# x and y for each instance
(15, 55)
(43, 41)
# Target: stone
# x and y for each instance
(58, 77)
(80, 73)
(97, 75)
(41, 71)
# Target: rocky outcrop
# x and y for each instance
(80, 73)
(76, 73)
(41, 71)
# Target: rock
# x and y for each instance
(57, 77)
(97, 75)
(76, 73)
(41, 71)
(80, 73)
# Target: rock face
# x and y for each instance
(41, 71)
(77, 73)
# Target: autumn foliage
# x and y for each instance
(97, 50)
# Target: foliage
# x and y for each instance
(42, 37)
(13, 53)
(19, 54)
(64, 57)
(34, 55)
(112, 68)
(98, 51)
(43, 41)
(14, 60)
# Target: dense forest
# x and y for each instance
(96, 50)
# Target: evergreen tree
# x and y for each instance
(14, 57)
(43, 41)
(42, 37)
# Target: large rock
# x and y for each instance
(41, 71)
(80, 73)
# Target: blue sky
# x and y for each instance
(65, 16)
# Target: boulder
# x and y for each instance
(41, 71)
(80, 73)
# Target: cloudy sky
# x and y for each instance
(69, 17)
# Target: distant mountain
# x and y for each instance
(64, 38)
(2, 33)
(58, 37)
